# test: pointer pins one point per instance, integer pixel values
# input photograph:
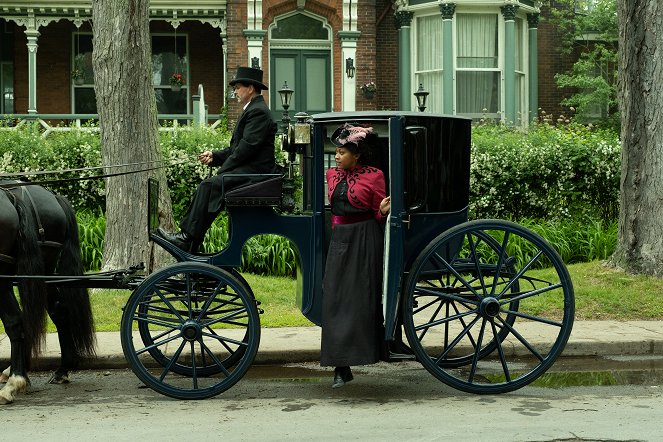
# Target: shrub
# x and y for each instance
(547, 173)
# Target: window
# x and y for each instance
(300, 27)
(81, 75)
(520, 86)
(169, 56)
(477, 66)
(428, 63)
(585, 5)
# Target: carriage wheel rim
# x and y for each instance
(487, 312)
(167, 381)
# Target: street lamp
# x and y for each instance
(286, 95)
(421, 96)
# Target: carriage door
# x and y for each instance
(394, 236)
(300, 53)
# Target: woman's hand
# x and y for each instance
(206, 157)
(385, 206)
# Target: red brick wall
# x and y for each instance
(386, 62)
(551, 61)
(53, 66)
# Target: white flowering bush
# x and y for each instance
(550, 172)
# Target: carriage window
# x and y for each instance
(416, 175)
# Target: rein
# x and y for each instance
(94, 177)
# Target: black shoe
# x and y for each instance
(342, 375)
(180, 239)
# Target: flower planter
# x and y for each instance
(175, 87)
(79, 81)
(369, 94)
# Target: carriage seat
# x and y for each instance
(263, 193)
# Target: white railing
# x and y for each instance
(51, 123)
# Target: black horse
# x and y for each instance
(39, 236)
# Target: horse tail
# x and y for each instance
(77, 299)
(34, 298)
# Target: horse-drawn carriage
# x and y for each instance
(487, 305)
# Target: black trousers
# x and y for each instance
(198, 218)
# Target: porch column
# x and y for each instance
(447, 10)
(254, 39)
(533, 33)
(349, 55)
(224, 49)
(349, 36)
(254, 33)
(509, 14)
(403, 21)
(32, 35)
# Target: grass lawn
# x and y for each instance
(601, 293)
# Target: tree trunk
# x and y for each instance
(122, 62)
(640, 242)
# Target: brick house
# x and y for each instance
(478, 58)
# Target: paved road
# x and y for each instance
(295, 402)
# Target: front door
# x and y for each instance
(307, 72)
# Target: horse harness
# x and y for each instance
(23, 193)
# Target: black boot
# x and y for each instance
(180, 239)
(342, 375)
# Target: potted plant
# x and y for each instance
(78, 72)
(176, 81)
(369, 89)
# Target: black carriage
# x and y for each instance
(486, 305)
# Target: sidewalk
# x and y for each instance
(302, 344)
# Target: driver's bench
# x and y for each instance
(264, 193)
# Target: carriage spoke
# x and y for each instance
(438, 292)
(500, 352)
(475, 357)
(520, 273)
(208, 301)
(166, 301)
(194, 371)
(444, 321)
(477, 267)
(205, 349)
(524, 295)
(457, 339)
(500, 262)
(522, 340)
(225, 319)
(158, 344)
(175, 357)
(534, 318)
(458, 276)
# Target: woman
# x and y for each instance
(351, 312)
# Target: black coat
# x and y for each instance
(251, 151)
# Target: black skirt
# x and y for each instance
(352, 328)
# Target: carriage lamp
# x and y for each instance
(349, 67)
(421, 96)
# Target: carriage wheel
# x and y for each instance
(203, 327)
(488, 306)
(207, 366)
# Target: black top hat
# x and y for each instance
(246, 75)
